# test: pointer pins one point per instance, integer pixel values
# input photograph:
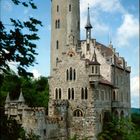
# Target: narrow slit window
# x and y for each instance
(70, 8)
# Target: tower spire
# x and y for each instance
(88, 25)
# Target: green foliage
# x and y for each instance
(35, 91)
(122, 129)
(11, 130)
(16, 45)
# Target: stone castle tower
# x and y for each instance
(91, 77)
(65, 28)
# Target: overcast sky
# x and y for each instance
(119, 18)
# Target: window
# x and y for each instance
(59, 93)
(57, 8)
(57, 44)
(84, 93)
(71, 94)
(56, 94)
(70, 8)
(78, 113)
(56, 61)
(92, 69)
(67, 75)
(71, 74)
(96, 69)
(74, 74)
(58, 24)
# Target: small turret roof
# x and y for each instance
(94, 59)
(7, 98)
(21, 98)
(88, 25)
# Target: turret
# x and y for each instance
(94, 69)
(88, 26)
(21, 98)
(65, 28)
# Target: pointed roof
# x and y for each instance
(7, 98)
(21, 98)
(94, 59)
(88, 25)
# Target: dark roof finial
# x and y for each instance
(88, 25)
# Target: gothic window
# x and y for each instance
(58, 24)
(86, 93)
(78, 113)
(56, 93)
(70, 73)
(70, 8)
(67, 75)
(57, 8)
(72, 93)
(57, 44)
(69, 93)
(59, 93)
(92, 69)
(114, 96)
(74, 74)
(96, 69)
(82, 93)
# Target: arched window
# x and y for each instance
(72, 93)
(59, 93)
(57, 44)
(92, 69)
(114, 96)
(58, 24)
(70, 8)
(82, 93)
(56, 93)
(86, 93)
(74, 75)
(67, 75)
(69, 93)
(78, 113)
(70, 73)
(57, 8)
(96, 69)
(56, 61)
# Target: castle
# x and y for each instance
(88, 80)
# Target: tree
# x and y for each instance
(119, 129)
(17, 46)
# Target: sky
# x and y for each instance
(112, 20)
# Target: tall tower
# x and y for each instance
(65, 28)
